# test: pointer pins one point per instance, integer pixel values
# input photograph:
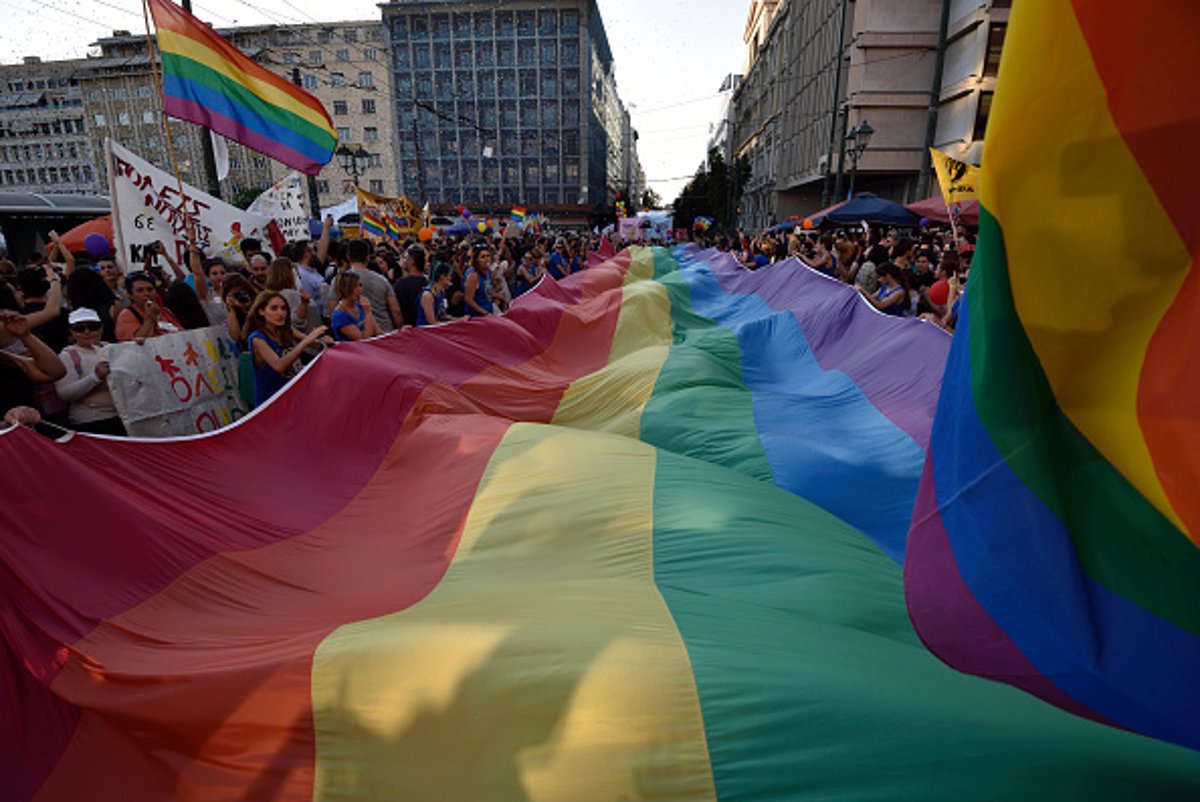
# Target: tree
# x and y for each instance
(651, 199)
(245, 196)
(714, 192)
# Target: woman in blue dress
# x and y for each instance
(431, 306)
(274, 345)
(352, 318)
(477, 282)
(892, 296)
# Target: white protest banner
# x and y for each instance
(177, 384)
(148, 208)
(286, 204)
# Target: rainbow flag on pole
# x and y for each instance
(518, 213)
(651, 551)
(373, 224)
(1054, 543)
(208, 81)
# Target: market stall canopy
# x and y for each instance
(935, 209)
(872, 208)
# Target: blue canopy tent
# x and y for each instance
(872, 208)
(460, 228)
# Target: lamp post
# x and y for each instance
(859, 138)
(354, 161)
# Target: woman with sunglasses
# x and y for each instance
(85, 387)
(274, 344)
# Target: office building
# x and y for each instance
(513, 103)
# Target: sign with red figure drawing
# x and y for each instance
(177, 384)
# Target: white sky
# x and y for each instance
(667, 52)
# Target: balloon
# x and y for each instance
(924, 222)
(97, 245)
(939, 292)
(481, 226)
(807, 224)
(425, 234)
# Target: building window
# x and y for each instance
(323, 185)
(343, 134)
(366, 79)
(368, 106)
(148, 117)
(314, 57)
(342, 54)
(123, 118)
(120, 93)
(310, 82)
(291, 58)
(995, 44)
(350, 35)
(981, 114)
(377, 186)
(339, 107)
(337, 80)
(323, 37)
(421, 57)
(371, 54)
(371, 134)
(374, 160)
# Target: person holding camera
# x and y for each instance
(145, 316)
(238, 294)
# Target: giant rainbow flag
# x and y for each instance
(1055, 539)
(638, 539)
(208, 81)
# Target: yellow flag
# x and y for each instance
(959, 180)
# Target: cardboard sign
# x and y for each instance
(177, 384)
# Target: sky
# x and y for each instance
(671, 56)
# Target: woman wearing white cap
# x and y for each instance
(85, 387)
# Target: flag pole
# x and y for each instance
(189, 222)
(206, 148)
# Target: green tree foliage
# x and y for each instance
(714, 192)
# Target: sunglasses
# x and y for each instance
(81, 327)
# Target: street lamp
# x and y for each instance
(859, 138)
(354, 161)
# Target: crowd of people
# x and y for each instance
(923, 275)
(57, 316)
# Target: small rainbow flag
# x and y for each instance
(518, 213)
(702, 224)
(373, 225)
(393, 227)
(208, 81)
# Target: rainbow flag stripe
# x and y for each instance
(373, 224)
(208, 81)
(639, 538)
(518, 213)
(1054, 540)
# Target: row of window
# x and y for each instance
(484, 24)
(121, 93)
(508, 171)
(40, 83)
(123, 118)
(39, 151)
(486, 85)
(323, 37)
(45, 129)
(342, 107)
(547, 53)
(318, 56)
(370, 134)
(75, 174)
